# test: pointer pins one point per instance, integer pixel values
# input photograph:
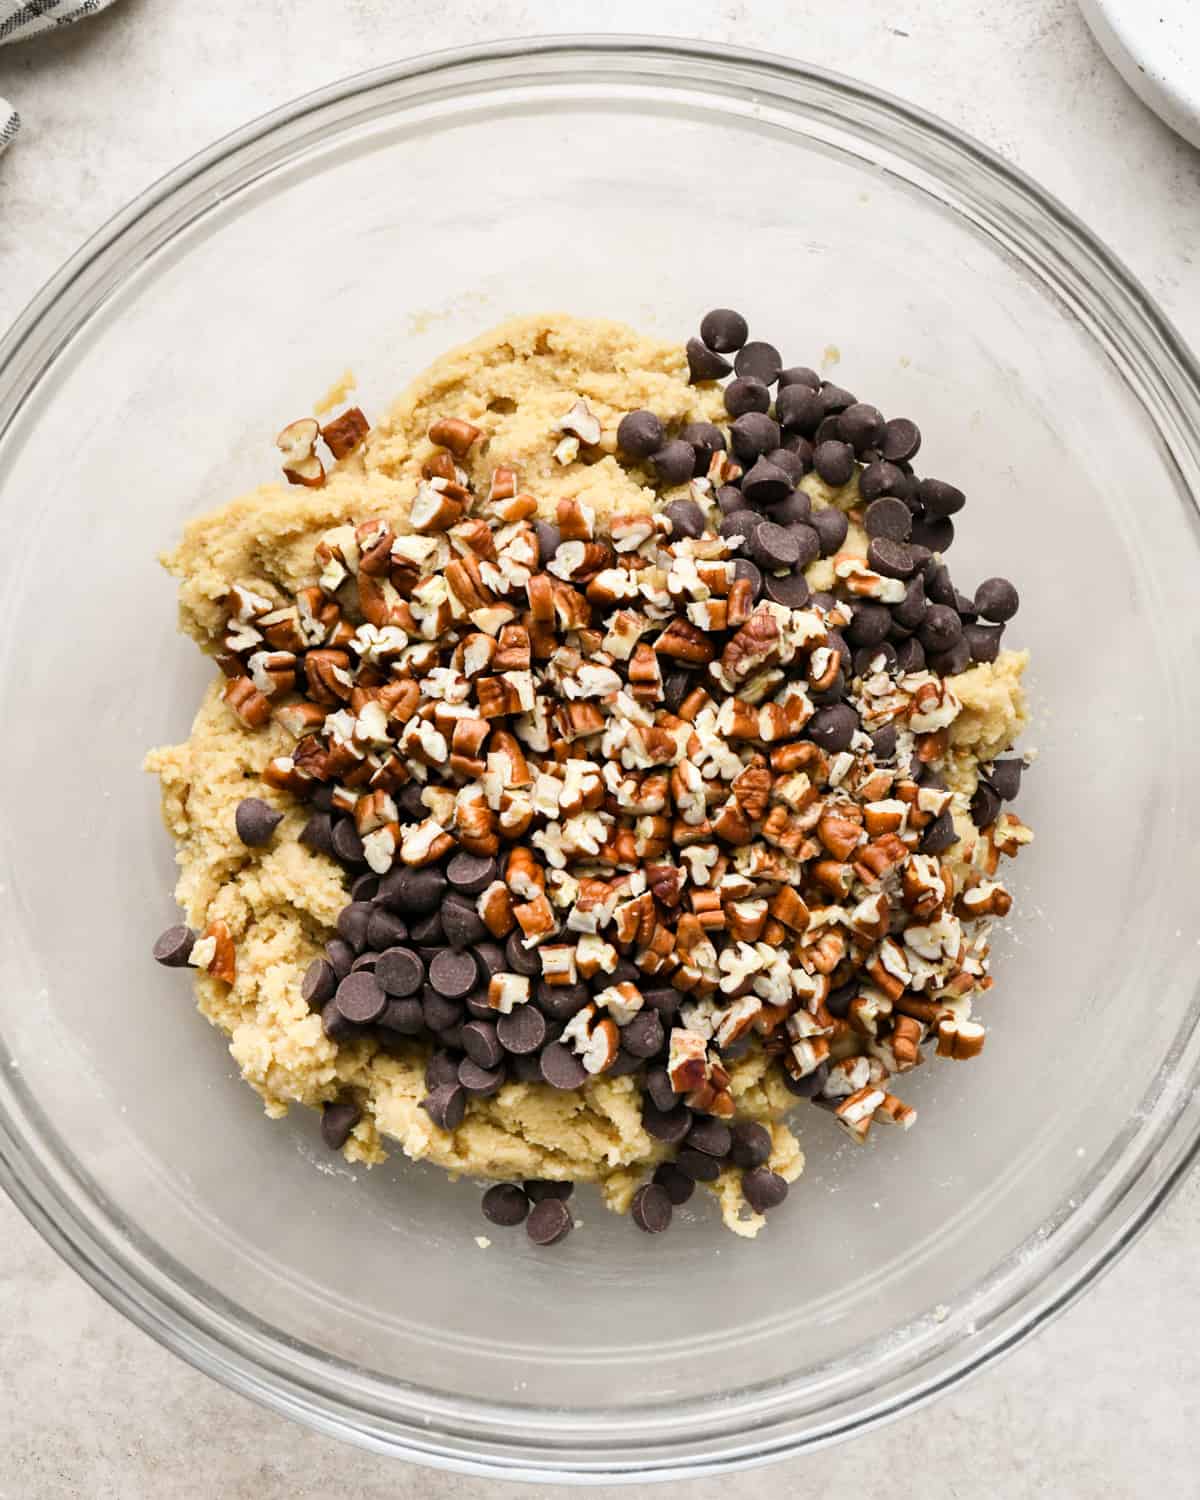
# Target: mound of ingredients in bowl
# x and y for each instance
(601, 760)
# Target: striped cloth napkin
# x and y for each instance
(23, 18)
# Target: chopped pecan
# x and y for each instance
(345, 432)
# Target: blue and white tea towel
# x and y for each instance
(24, 18)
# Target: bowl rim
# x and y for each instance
(1126, 1189)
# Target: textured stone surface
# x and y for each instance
(1101, 1404)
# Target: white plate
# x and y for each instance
(1155, 46)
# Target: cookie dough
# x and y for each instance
(280, 902)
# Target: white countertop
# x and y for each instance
(1101, 1404)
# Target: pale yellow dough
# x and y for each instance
(281, 902)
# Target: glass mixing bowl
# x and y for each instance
(374, 224)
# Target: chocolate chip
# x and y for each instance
(937, 535)
(879, 479)
(561, 1001)
(891, 559)
(440, 1014)
(807, 541)
(810, 1085)
(669, 1125)
(505, 1204)
(794, 510)
(939, 835)
(664, 999)
(913, 608)
(410, 892)
(651, 1209)
(561, 1069)
(833, 728)
(799, 409)
(446, 1105)
(983, 641)
(644, 1036)
(888, 517)
(461, 923)
(317, 833)
(347, 846)
(427, 932)
(657, 1087)
(861, 426)
(639, 434)
(352, 924)
(766, 484)
(795, 462)
(939, 585)
(724, 330)
(549, 1222)
(686, 518)
(481, 1043)
(364, 961)
(835, 398)
(360, 998)
(441, 1068)
(828, 432)
(340, 955)
(763, 1189)
(730, 500)
(834, 462)
(705, 363)
(322, 798)
(255, 821)
(384, 930)
(773, 546)
(758, 361)
(743, 396)
(549, 539)
(985, 805)
(471, 874)
(997, 600)
(699, 1166)
(939, 498)
(869, 623)
(451, 1038)
(883, 743)
(901, 440)
(1005, 778)
(750, 1144)
(338, 1119)
(525, 1068)
(364, 888)
(741, 523)
(675, 462)
(400, 972)
(523, 1031)
(318, 984)
(678, 1185)
(789, 589)
(940, 628)
(521, 960)
(752, 436)
(403, 1017)
(744, 568)
(871, 659)
(173, 948)
(831, 527)
(952, 661)
(799, 375)
(710, 1135)
(477, 1006)
(480, 1081)
(453, 974)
